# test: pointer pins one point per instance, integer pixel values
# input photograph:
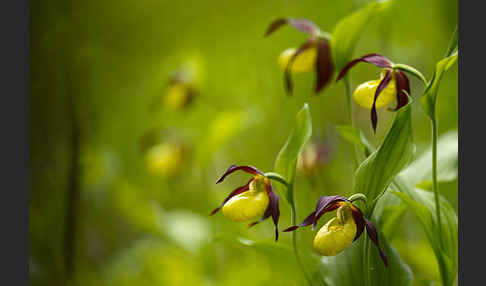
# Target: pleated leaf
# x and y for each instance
(287, 157)
(395, 152)
(349, 30)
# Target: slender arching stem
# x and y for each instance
(366, 254)
(294, 240)
(349, 111)
(290, 191)
(434, 175)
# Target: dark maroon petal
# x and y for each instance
(287, 75)
(302, 25)
(266, 215)
(274, 209)
(373, 235)
(292, 228)
(254, 223)
(326, 201)
(307, 221)
(324, 65)
(275, 25)
(383, 84)
(376, 59)
(402, 84)
(324, 205)
(233, 168)
(237, 191)
(333, 206)
(359, 220)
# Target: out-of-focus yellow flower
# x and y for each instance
(164, 159)
(364, 94)
(248, 202)
(304, 62)
(312, 55)
(337, 234)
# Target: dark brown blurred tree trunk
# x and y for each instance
(73, 192)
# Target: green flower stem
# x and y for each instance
(412, 71)
(358, 196)
(290, 191)
(434, 175)
(452, 43)
(349, 111)
(294, 239)
(277, 177)
(347, 87)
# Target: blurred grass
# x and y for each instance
(121, 56)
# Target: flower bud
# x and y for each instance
(337, 234)
(248, 205)
(365, 93)
(304, 62)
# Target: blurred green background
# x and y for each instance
(104, 212)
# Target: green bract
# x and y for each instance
(430, 95)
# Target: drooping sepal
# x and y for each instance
(288, 70)
(383, 84)
(324, 205)
(375, 59)
(403, 89)
(359, 220)
(274, 208)
(373, 235)
(233, 168)
(302, 25)
(324, 65)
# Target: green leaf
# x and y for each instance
(349, 30)
(287, 157)
(355, 136)
(430, 94)
(445, 246)
(395, 152)
(351, 134)
(388, 212)
(420, 170)
(346, 268)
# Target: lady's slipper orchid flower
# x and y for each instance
(315, 53)
(339, 232)
(379, 93)
(252, 200)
